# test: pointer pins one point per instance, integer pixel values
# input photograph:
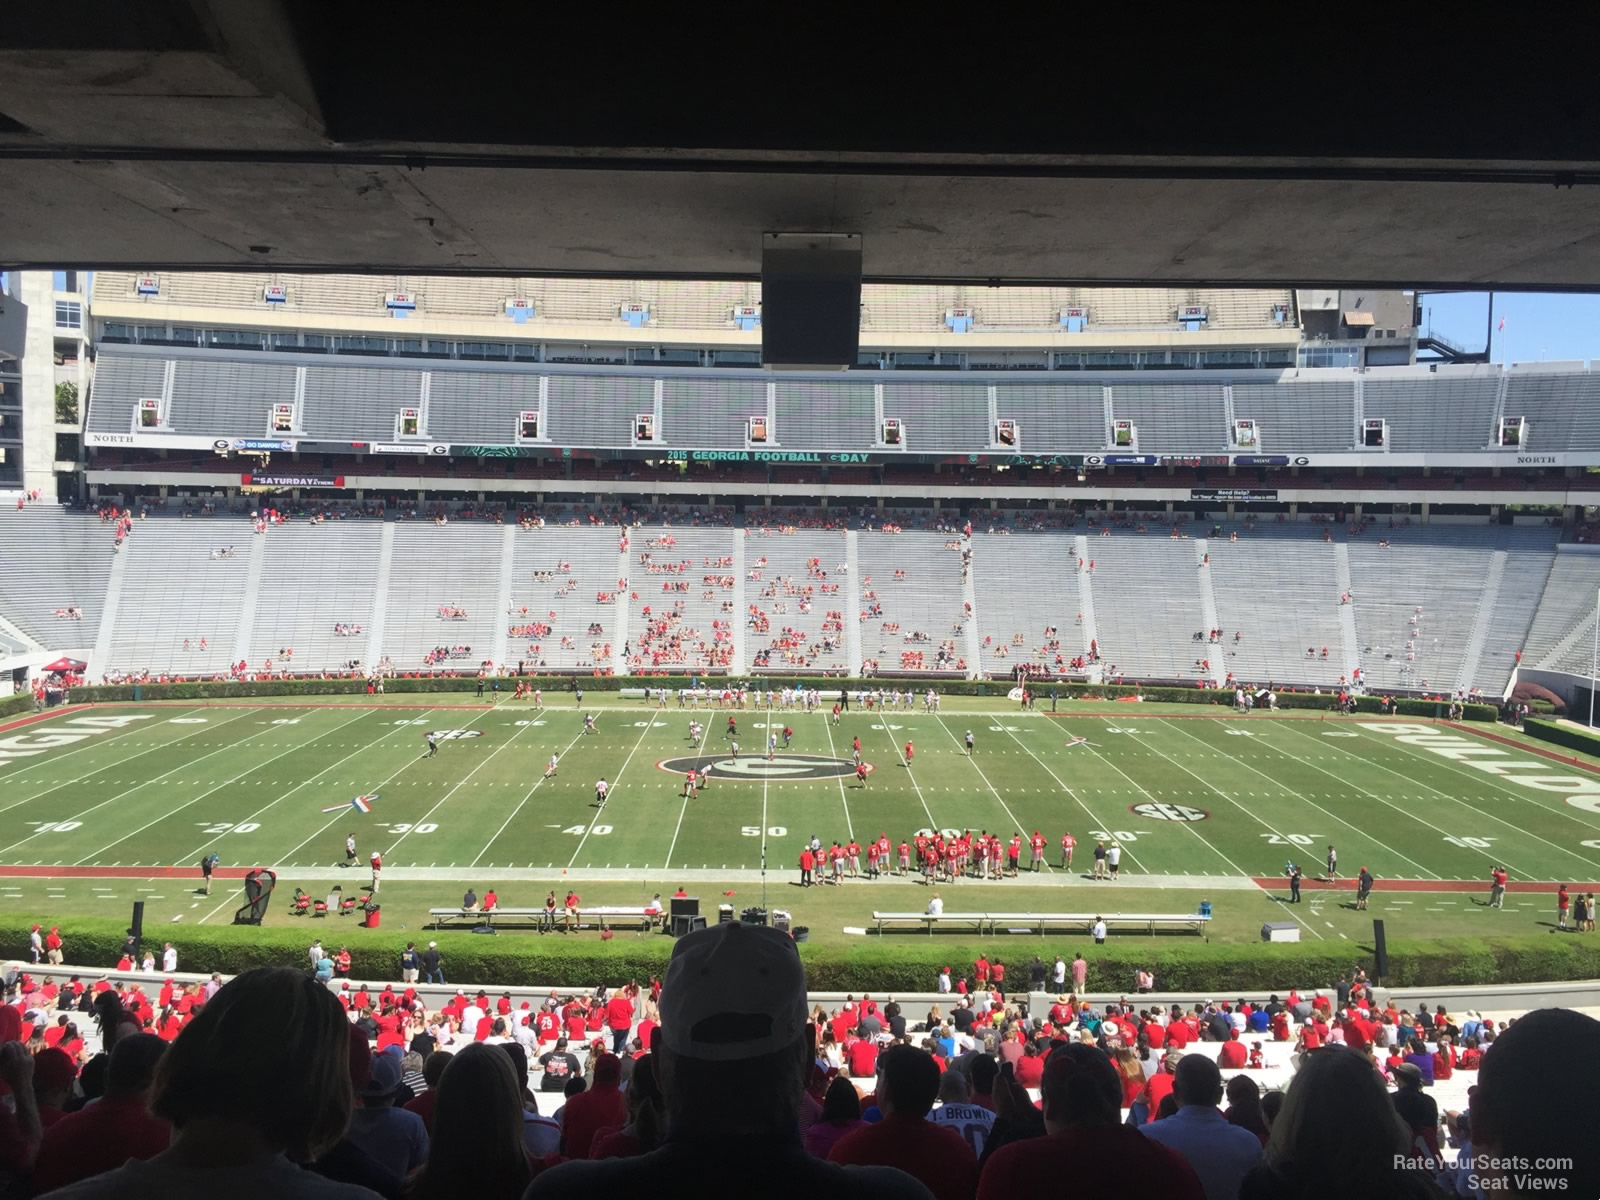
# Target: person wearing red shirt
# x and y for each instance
(547, 1025)
(980, 969)
(843, 1021)
(1179, 1034)
(908, 1086)
(1234, 1055)
(111, 1131)
(1060, 1013)
(602, 1106)
(53, 1073)
(1030, 1068)
(490, 900)
(619, 1019)
(1444, 1059)
(1038, 844)
(1159, 1086)
(502, 1006)
(997, 973)
(645, 1032)
(1359, 1032)
(861, 1056)
(1155, 1033)
(808, 862)
(1280, 1026)
(576, 1025)
(165, 995)
(1086, 1142)
(362, 1000)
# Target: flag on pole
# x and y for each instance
(1502, 326)
(361, 804)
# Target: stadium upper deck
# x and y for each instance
(628, 311)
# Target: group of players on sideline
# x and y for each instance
(723, 1077)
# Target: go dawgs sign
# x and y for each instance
(1581, 791)
(25, 745)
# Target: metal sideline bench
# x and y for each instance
(994, 921)
(505, 916)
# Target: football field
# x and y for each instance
(1207, 803)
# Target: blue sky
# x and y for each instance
(1539, 325)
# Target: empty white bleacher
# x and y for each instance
(1438, 412)
(927, 601)
(1439, 569)
(211, 395)
(1527, 570)
(586, 411)
(1025, 582)
(827, 416)
(315, 577)
(1147, 606)
(479, 406)
(1566, 609)
(456, 564)
(944, 416)
(1562, 411)
(173, 591)
(709, 413)
(1173, 417)
(357, 403)
(794, 584)
(1299, 417)
(1054, 417)
(581, 562)
(51, 559)
(1277, 585)
(121, 380)
(675, 630)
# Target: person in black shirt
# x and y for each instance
(1036, 974)
(1342, 991)
(962, 1019)
(559, 1067)
(433, 964)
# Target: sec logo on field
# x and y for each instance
(445, 735)
(785, 768)
(1157, 811)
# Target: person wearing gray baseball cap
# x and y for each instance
(734, 1052)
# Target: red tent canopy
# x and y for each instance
(62, 665)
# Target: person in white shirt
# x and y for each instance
(470, 1017)
(973, 1122)
(1238, 1020)
(1113, 858)
(601, 787)
(1059, 974)
(935, 906)
(1099, 931)
(944, 982)
(169, 958)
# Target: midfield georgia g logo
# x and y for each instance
(785, 768)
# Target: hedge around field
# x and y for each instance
(13, 705)
(464, 685)
(1562, 735)
(896, 963)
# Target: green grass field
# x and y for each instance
(93, 803)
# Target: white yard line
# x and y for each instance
(827, 724)
(1408, 813)
(358, 750)
(649, 725)
(1298, 799)
(666, 864)
(1189, 825)
(44, 728)
(459, 784)
(294, 749)
(340, 816)
(961, 746)
(146, 783)
(521, 803)
(883, 723)
(1062, 784)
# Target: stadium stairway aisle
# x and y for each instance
(100, 657)
(741, 624)
(969, 597)
(1481, 621)
(1080, 547)
(252, 601)
(1208, 604)
(1349, 640)
(619, 630)
(508, 557)
(380, 596)
(852, 627)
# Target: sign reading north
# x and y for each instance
(785, 768)
(1156, 810)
